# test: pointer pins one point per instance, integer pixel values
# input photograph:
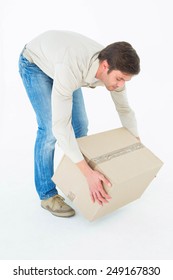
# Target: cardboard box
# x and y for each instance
(126, 162)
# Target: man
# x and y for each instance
(54, 66)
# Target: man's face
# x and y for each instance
(114, 79)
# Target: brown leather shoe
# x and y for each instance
(56, 206)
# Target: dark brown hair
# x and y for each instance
(121, 56)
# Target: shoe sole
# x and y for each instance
(61, 215)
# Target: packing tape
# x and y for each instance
(113, 154)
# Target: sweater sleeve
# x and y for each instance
(64, 84)
(126, 114)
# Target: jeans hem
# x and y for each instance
(51, 194)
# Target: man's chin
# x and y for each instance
(111, 88)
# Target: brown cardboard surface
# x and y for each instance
(127, 163)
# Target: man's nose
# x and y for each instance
(121, 83)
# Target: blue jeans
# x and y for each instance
(39, 87)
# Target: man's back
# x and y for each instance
(57, 47)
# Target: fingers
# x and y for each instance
(103, 193)
(100, 195)
(105, 180)
(97, 191)
(101, 189)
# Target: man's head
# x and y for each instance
(121, 56)
(118, 63)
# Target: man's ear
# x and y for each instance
(105, 65)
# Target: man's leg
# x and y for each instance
(79, 116)
(39, 87)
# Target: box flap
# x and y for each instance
(105, 142)
(129, 165)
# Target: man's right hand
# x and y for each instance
(95, 181)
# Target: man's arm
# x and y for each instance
(63, 131)
(126, 114)
(63, 87)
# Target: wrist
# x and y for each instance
(84, 168)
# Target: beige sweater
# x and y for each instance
(70, 59)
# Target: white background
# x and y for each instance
(141, 230)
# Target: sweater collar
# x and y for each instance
(94, 65)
